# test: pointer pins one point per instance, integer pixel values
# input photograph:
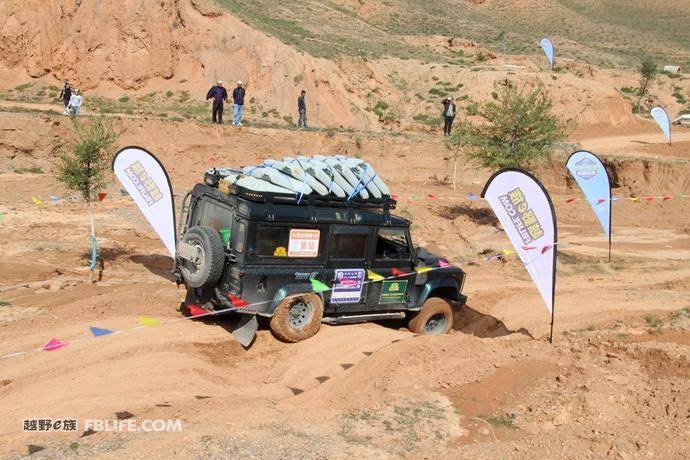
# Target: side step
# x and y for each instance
(351, 319)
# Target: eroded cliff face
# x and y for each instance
(119, 46)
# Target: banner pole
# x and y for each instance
(553, 314)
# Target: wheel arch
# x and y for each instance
(287, 291)
(445, 288)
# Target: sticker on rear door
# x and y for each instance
(393, 292)
(348, 285)
(304, 243)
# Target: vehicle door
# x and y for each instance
(346, 268)
(282, 254)
(391, 254)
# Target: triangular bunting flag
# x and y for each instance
(443, 264)
(212, 159)
(569, 200)
(472, 196)
(395, 197)
(398, 272)
(101, 196)
(667, 197)
(683, 196)
(374, 276)
(54, 344)
(649, 199)
(545, 248)
(123, 192)
(238, 302)
(508, 252)
(97, 331)
(2, 216)
(421, 270)
(194, 310)
(54, 198)
(318, 286)
(148, 321)
(36, 200)
(633, 199)
(432, 196)
(413, 197)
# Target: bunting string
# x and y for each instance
(242, 306)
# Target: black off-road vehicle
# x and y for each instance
(273, 255)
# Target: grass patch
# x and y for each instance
(30, 169)
(653, 322)
(500, 422)
(4, 303)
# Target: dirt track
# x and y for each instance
(494, 387)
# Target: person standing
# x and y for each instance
(65, 95)
(75, 102)
(219, 96)
(302, 109)
(449, 111)
(238, 104)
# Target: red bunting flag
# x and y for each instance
(569, 200)
(667, 197)
(238, 302)
(649, 199)
(101, 196)
(54, 344)
(395, 197)
(195, 310)
(432, 196)
(397, 272)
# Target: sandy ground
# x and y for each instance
(614, 384)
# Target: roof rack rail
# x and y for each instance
(384, 203)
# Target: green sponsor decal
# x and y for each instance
(393, 292)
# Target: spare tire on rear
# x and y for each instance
(207, 267)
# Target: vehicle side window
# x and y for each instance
(272, 241)
(240, 237)
(215, 215)
(348, 242)
(391, 244)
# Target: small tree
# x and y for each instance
(83, 165)
(648, 70)
(518, 128)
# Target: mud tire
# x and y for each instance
(435, 318)
(297, 318)
(210, 265)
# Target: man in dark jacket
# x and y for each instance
(65, 94)
(238, 104)
(219, 96)
(302, 109)
(449, 111)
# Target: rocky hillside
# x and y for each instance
(365, 65)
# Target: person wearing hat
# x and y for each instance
(75, 102)
(449, 111)
(219, 95)
(238, 104)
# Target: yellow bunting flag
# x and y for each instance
(36, 200)
(423, 269)
(374, 276)
(633, 199)
(148, 321)
(508, 252)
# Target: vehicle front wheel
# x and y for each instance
(297, 317)
(435, 318)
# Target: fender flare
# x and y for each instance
(432, 285)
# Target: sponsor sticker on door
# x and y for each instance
(393, 292)
(348, 285)
(304, 243)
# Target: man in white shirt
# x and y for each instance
(75, 102)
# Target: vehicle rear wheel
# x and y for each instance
(435, 318)
(297, 317)
(207, 265)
